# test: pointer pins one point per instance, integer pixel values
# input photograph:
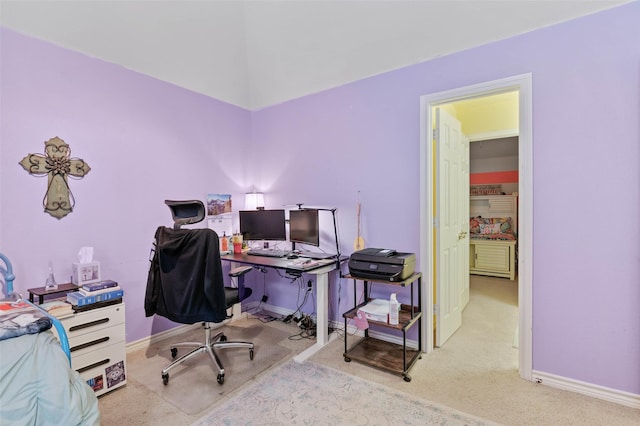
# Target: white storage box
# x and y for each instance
(376, 310)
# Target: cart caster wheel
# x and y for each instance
(165, 379)
(347, 359)
(223, 338)
(174, 353)
(251, 354)
(407, 378)
(220, 378)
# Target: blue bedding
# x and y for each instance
(21, 318)
(37, 386)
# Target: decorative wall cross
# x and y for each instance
(57, 165)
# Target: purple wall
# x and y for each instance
(365, 135)
(157, 141)
(145, 141)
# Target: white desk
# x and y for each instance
(321, 270)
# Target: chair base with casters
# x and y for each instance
(219, 341)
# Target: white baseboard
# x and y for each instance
(150, 340)
(338, 325)
(145, 342)
(251, 306)
(612, 395)
(595, 391)
(412, 344)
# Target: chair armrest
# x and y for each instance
(239, 271)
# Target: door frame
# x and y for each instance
(522, 83)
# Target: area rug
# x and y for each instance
(193, 387)
(310, 394)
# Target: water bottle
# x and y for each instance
(394, 310)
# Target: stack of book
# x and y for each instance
(58, 308)
(103, 292)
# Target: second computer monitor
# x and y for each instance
(304, 227)
(263, 225)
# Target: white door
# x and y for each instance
(452, 225)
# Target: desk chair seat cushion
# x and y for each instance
(184, 257)
(231, 296)
(236, 295)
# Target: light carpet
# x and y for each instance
(193, 387)
(307, 393)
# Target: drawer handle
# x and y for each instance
(89, 344)
(94, 365)
(89, 324)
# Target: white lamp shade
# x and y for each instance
(253, 200)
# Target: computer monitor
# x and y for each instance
(304, 227)
(263, 225)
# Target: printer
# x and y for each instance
(382, 264)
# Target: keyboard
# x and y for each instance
(267, 252)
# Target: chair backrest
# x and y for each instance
(186, 212)
(185, 282)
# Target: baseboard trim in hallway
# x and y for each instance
(595, 391)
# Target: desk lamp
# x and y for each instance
(254, 201)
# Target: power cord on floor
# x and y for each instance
(307, 291)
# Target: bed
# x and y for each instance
(493, 236)
(37, 384)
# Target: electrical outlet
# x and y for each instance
(265, 298)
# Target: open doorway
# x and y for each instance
(521, 84)
(489, 321)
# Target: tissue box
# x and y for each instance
(85, 273)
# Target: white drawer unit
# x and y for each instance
(492, 257)
(98, 346)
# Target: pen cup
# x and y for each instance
(237, 243)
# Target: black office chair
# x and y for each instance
(186, 285)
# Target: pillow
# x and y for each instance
(490, 228)
(474, 225)
(504, 222)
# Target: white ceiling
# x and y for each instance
(262, 52)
